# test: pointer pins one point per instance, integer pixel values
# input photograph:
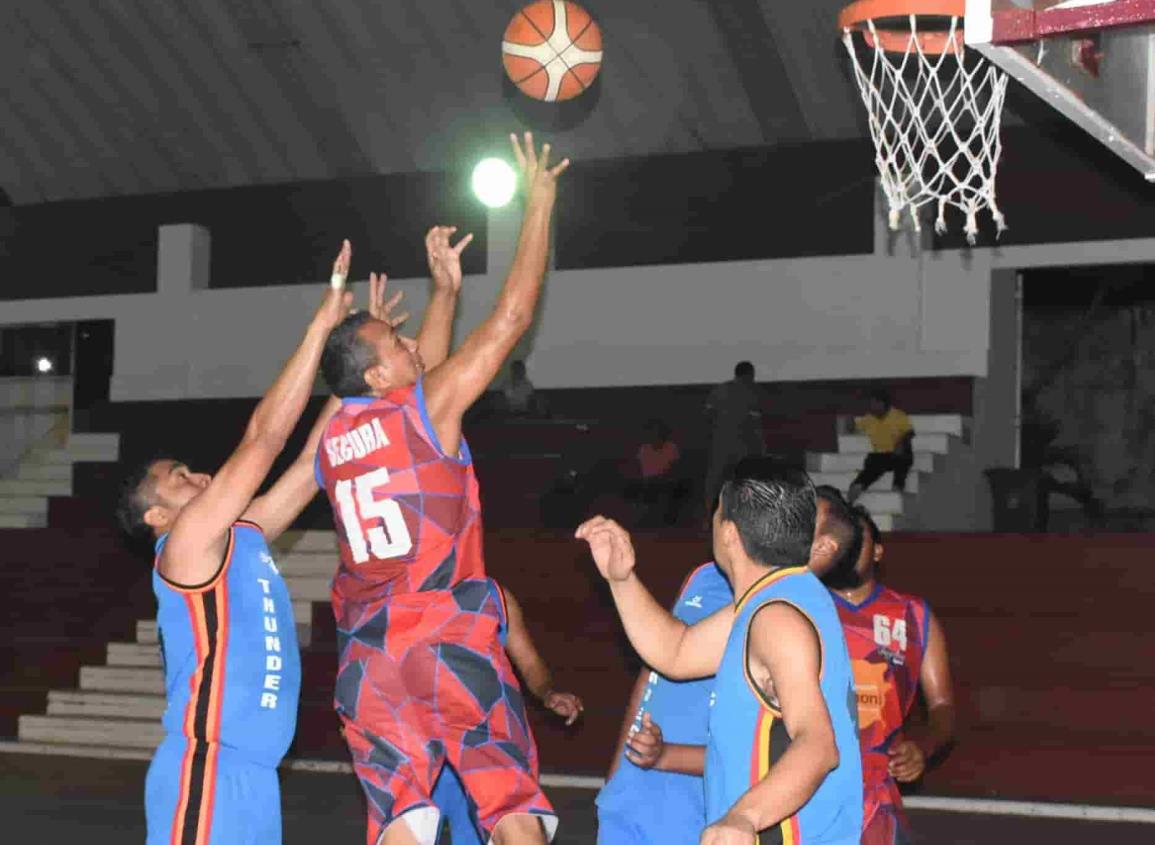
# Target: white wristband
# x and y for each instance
(337, 281)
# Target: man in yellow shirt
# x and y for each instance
(890, 432)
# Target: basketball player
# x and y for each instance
(422, 675)
(232, 668)
(667, 804)
(655, 795)
(896, 644)
(783, 694)
(448, 793)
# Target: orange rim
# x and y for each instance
(932, 42)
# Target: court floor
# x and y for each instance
(53, 800)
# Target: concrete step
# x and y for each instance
(125, 733)
(145, 655)
(852, 462)
(304, 589)
(24, 504)
(29, 471)
(74, 453)
(859, 444)
(23, 520)
(109, 441)
(887, 521)
(880, 502)
(842, 480)
(308, 565)
(954, 424)
(105, 704)
(306, 541)
(124, 679)
(22, 487)
(71, 749)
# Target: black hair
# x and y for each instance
(844, 527)
(347, 356)
(743, 369)
(133, 499)
(867, 520)
(880, 395)
(773, 507)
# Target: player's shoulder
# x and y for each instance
(907, 600)
(707, 576)
(704, 591)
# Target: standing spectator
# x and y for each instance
(659, 484)
(891, 434)
(735, 412)
(521, 398)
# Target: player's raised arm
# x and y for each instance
(292, 492)
(663, 641)
(457, 383)
(445, 270)
(908, 759)
(528, 660)
(197, 539)
(784, 645)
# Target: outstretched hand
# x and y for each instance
(539, 179)
(611, 547)
(445, 259)
(337, 302)
(379, 307)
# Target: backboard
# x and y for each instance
(1092, 60)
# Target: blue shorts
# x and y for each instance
(457, 810)
(209, 795)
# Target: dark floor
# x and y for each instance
(49, 800)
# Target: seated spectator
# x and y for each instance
(658, 483)
(891, 434)
(520, 397)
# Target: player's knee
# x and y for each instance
(519, 829)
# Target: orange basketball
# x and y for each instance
(552, 50)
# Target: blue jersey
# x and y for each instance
(747, 733)
(231, 663)
(668, 807)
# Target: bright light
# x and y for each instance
(494, 182)
(44, 365)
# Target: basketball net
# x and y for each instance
(935, 125)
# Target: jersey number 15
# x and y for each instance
(389, 537)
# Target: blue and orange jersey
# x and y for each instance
(231, 662)
(408, 516)
(747, 732)
(887, 637)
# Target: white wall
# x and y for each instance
(899, 312)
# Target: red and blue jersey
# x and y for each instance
(408, 516)
(887, 638)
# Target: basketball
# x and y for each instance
(552, 50)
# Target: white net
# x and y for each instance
(934, 118)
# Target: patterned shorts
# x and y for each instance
(426, 680)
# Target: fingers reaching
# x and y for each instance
(463, 243)
(517, 153)
(341, 266)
